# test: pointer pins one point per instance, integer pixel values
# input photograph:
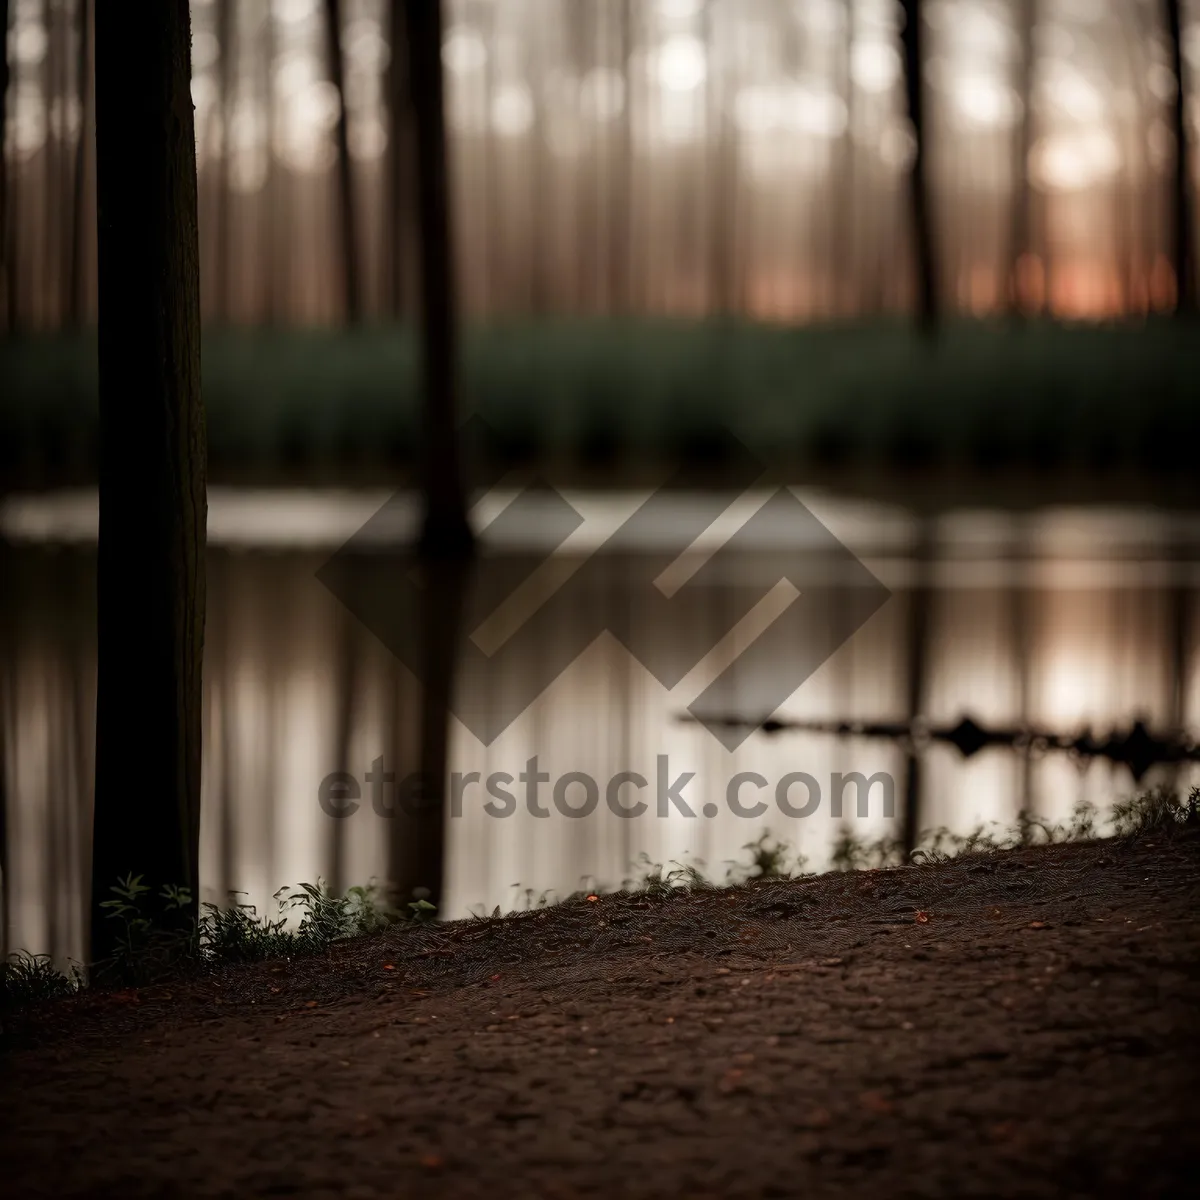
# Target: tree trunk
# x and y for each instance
(223, 214)
(396, 226)
(1181, 205)
(153, 507)
(927, 302)
(79, 298)
(446, 543)
(346, 208)
(4, 131)
(1022, 201)
(620, 274)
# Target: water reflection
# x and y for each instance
(1057, 620)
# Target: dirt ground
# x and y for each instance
(1013, 1024)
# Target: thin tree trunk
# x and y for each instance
(4, 263)
(46, 276)
(79, 205)
(396, 227)
(845, 235)
(919, 602)
(620, 283)
(273, 215)
(153, 506)
(224, 260)
(446, 544)
(927, 300)
(1181, 204)
(723, 187)
(1022, 223)
(347, 214)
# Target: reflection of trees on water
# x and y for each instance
(677, 156)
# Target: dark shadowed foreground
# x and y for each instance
(1013, 1023)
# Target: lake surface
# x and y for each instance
(1059, 619)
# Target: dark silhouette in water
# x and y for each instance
(1138, 748)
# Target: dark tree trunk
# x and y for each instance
(919, 602)
(1181, 204)
(399, 158)
(273, 220)
(446, 543)
(927, 302)
(1022, 224)
(153, 507)
(45, 272)
(346, 208)
(722, 229)
(224, 280)
(5, 265)
(621, 224)
(78, 309)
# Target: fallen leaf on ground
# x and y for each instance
(876, 1102)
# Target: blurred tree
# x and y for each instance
(922, 220)
(5, 265)
(79, 206)
(346, 203)
(399, 156)
(447, 544)
(723, 192)
(153, 505)
(1022, 193)
(620, 296)
(224, 280)
(1181, 204)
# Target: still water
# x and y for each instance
(1058, 619)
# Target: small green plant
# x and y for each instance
(327, 918)
(770, 858)
(145, 948)
(854, 853)
(658, 879)
(28, 978)
(524, 898)
(1161, 809)
(850, 851)
(239, 934)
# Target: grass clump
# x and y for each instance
(659, 879)
(150, 949)
(1159, 810)
(770, 858)
(33, 978)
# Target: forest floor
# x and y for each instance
(1010, 1023)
